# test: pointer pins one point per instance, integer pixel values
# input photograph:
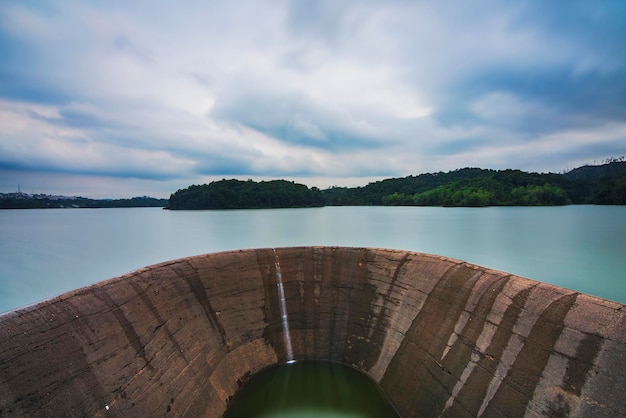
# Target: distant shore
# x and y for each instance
(44, 201)
(467, 187)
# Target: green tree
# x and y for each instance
(236, 194)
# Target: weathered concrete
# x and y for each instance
(443, 337)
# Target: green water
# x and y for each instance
(306, 389)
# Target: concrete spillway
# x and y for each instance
(442, 337)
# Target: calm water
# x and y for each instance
(310, 389)
(46, 252)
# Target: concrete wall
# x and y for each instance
(442, 337)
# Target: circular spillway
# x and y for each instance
(441, 337)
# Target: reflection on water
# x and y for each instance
(310, 389)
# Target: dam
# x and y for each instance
(441, 337)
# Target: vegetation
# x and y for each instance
(603, 184)
(237, 194)
(474, 187)
(28, 201)
(599, 184)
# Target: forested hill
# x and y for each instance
(237, 194)
(602, 184)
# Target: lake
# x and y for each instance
(47, 252)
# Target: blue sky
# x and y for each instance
(119, 99)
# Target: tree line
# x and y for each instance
(25, 201)
(238, 194)
(469, 187)
(475, 187)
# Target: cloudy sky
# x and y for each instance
(119, 99)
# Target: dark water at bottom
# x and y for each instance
(307, 389)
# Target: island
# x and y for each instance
(238, 194)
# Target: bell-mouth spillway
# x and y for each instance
(441, 337)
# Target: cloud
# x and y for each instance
(308, 89)
(35, 137)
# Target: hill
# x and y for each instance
(473, 187)
(614, 167)
(237, 194)
(602, 184)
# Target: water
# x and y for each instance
(283, 310)
(307, 389)
(46, 252)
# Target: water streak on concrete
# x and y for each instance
(283, 310)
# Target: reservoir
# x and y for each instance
(47, 252)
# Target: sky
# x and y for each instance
(120, 99)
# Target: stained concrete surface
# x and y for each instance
(442, 337)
